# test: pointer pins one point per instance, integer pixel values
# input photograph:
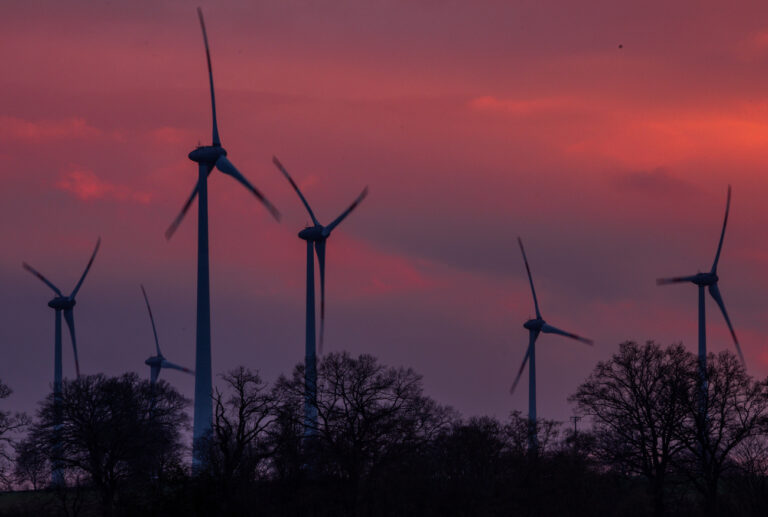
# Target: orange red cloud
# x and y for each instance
(87, 186)
(44, 130)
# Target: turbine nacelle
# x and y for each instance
(62, 303)
(705, 279)
(207, 154)
(155, 360)
(313, 233)
(701, 279)
(535, 324)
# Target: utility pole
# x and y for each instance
(575, 419)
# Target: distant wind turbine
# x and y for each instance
(315, 236)
(709, 280)
(536, 326)
(65, 304)
(207, 157)
(158, 362)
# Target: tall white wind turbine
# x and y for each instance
(316, 237)
(158, 362)
(535, 327)
(709, 280)
(66, 305)
(207, 157)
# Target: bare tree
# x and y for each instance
(114, 429)
(636, 403)
(10, 423)
(737, 410)
(238, 443)
(518, 428)
(368, 414)
(748, 481)
(32, 466)
(471, 462)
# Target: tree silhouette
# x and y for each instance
(747, 481)
(10, 423)
(370, 417)
(32, 465)
(474, 465)
(114, 429)
(636, 403)
(382, 447)
(737, 410)
(237, 449)
(518, 429)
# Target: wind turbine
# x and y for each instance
(158, 362)
(207, 157)
(315, 236)
(535, 327)
(65, 304)
(708, 280)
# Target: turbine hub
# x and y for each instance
(534, 324)
(207, 154)
(705, 279)
(61, 303)
(153, 361)
(312, 233)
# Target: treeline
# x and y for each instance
(650, 444)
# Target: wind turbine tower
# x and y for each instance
(158, 362)
(709, 280)
(535, 326)
(316, 237)
(62, 304)
(207, 157)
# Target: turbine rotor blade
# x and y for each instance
(70, 319)
(328, 229)
(41, 277)
(154, 372)
(176, 222)
(531, 342)
(173, 366)
(722, 233)
(549, 329)
(216, 141)
(674, 280)
(320, 250)
(530, 278)
(87, 268)
(715, 292)
(152, 319)
(225, 166)
(296, 188)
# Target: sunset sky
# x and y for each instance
(603, 134)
